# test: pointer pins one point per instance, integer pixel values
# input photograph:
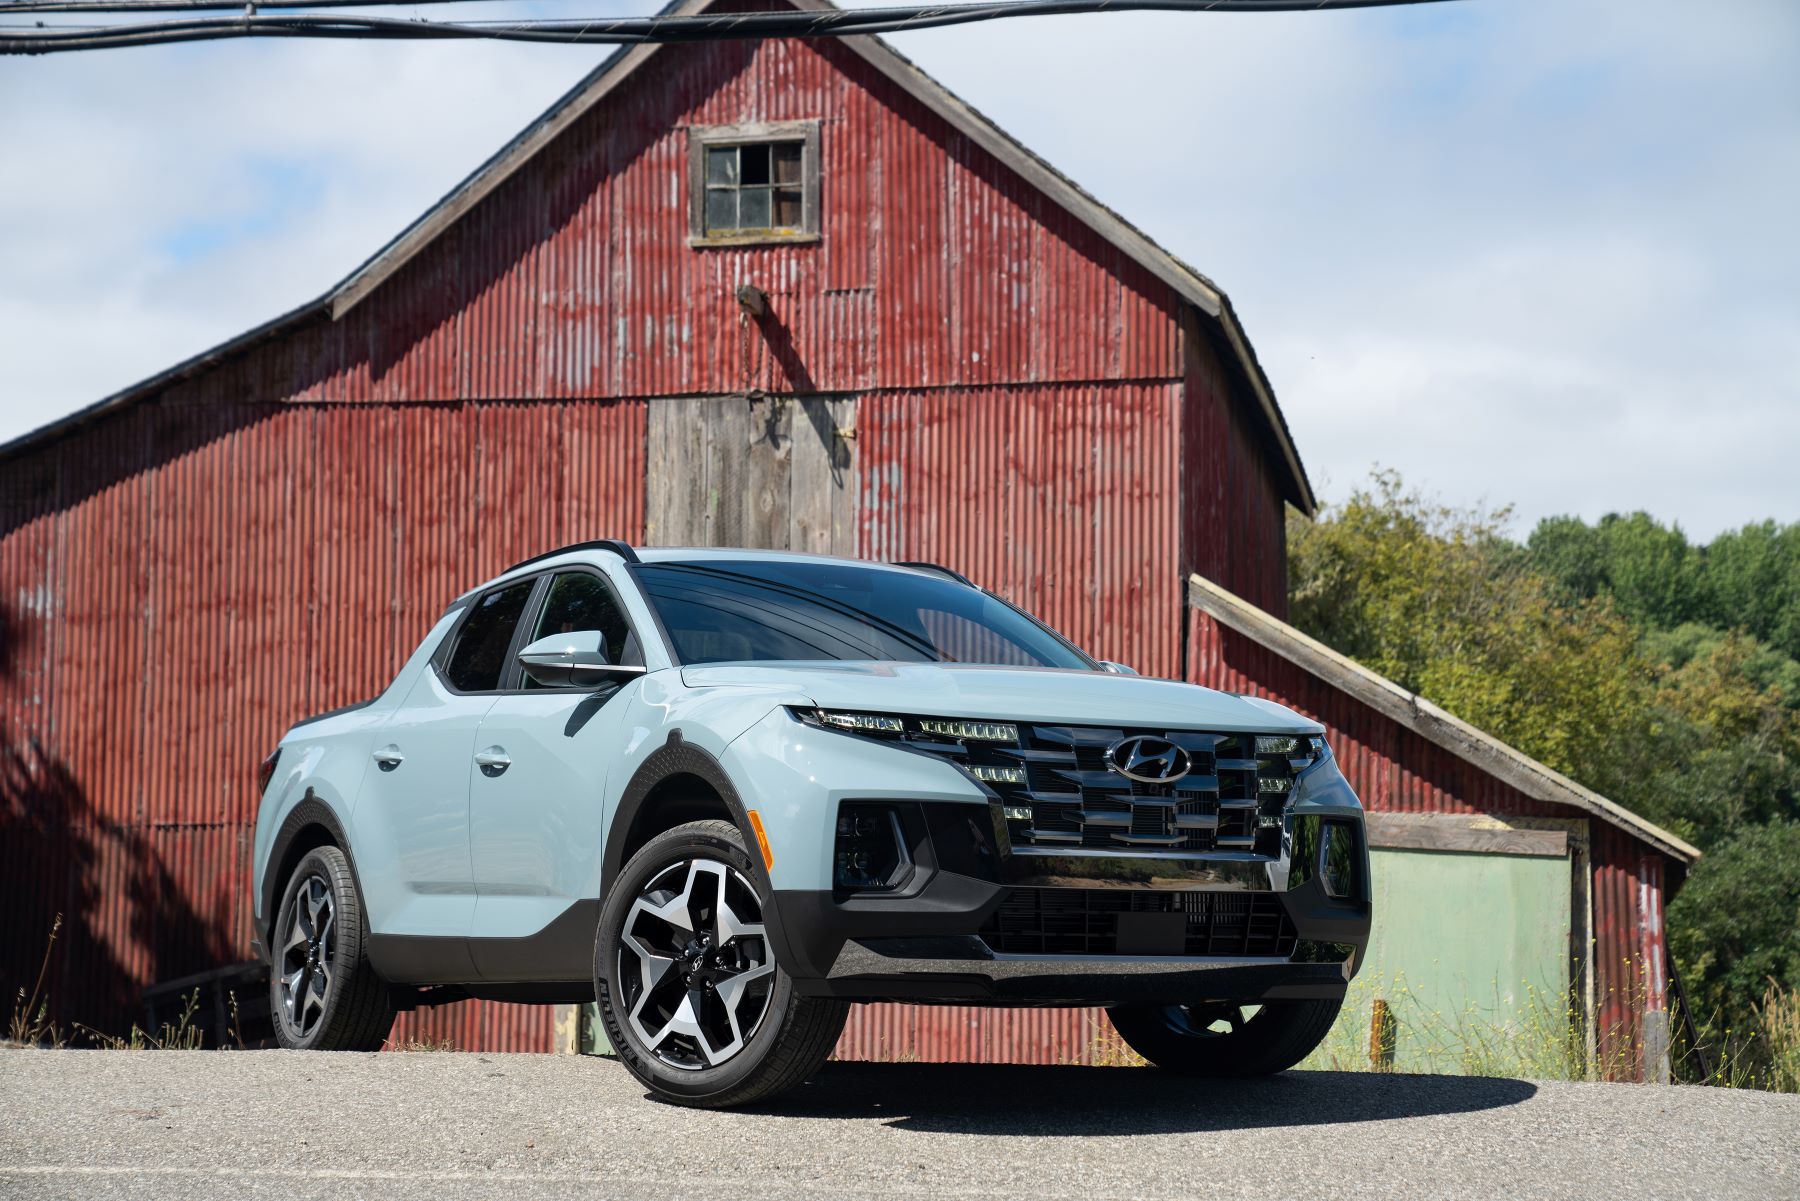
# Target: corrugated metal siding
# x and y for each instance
(1394, 770)
(575, 279)
(1062, 498)
(181, 583)
(475, 1026)
(971, 1034)
(1234, 528)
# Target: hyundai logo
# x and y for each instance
(1148, 759)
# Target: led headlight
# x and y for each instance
(1267, 744)
(998, 775)
(862, 723)
(971, 731)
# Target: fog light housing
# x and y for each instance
(871, 853)
(1340, 861)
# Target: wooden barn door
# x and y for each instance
(773, 472)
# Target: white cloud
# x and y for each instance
(1533, 252)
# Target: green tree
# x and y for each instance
(1736, 924)
(1648, 669)
(1752, 581)
(1437, 600)
(1727, 714)
(1651, 574)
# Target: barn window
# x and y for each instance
(753, 183)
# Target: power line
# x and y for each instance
(706, 27)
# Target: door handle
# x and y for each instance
(389, 757)
(493, 760)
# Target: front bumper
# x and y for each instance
(936, 942)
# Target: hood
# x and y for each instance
(1037, 695)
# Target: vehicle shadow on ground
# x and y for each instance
(1084, 1101)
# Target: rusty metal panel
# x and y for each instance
(938, 265)
(475, 1026)
(1234, 517)
(889, 1033)
(1063, 498)
(1629, 948)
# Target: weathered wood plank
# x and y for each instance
(1457, 832)
(844, 479)
(767, 455)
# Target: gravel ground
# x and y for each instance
(450, 1126)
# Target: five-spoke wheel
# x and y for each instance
(690, 992)
(694, 964)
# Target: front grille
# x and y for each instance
(1084, 921)
(1071, 799)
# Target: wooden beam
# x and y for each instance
(1468, 834)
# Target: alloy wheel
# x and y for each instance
(308, 955)
(694, 964)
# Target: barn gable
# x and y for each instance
(547, 273)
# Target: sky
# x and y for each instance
(1543, 253)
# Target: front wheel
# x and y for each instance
(689, 990)
(1222, 1039)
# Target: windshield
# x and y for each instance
(734, 610)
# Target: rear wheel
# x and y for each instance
(689, 989)
(1222, 1039)
(323, 992)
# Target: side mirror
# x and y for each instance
(573, 660)
(1117, 669)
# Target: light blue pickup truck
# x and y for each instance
(727, 793)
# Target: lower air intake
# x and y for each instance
(1103, 921)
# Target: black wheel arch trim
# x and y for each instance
(678, 757)
(310, 811)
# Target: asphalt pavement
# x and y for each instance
(446, 1126)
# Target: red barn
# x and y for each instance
(786, 293)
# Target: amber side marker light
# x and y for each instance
(762, 839)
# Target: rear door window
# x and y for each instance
(478, 660)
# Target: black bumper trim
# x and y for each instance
(925, 947)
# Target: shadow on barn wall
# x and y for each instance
(125, 922)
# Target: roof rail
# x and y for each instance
(940, 569)
(617, 546)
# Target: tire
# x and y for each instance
(681, 947)
(1224, 1039)
(318, 960)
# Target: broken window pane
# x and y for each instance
(753, 165)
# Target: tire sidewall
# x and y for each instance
(682, 843)
(330, 865)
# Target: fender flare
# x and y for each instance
(310, 811)
(675, 757)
